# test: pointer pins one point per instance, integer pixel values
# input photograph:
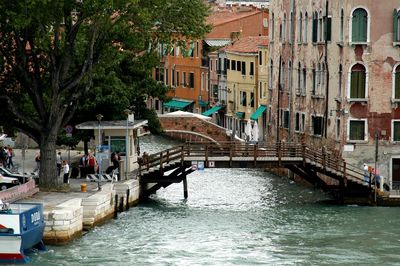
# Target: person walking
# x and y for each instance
(66, 171)
(10, 152)
(59, 163)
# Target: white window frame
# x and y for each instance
(393, 83)
(302, 122)
(392, 130)
(365, 120)
(349, 83)
(351, 26)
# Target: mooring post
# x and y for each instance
(185, 189)
(115, 206)
(255, 154)
(121, 205)
(127, 198)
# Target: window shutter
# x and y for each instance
(355, 27)
(395, 26)
(361, 85)
(396, 131)
(363, 26)
(315, 29)
(328, 33)
(397, 85)
(354, 84)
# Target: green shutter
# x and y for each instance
(359, 25)
(357, 129)
(354, 84)
(395, 16)
(315, 29)
(361, 85)
(328, 29)
(364, 25)
(396, 131)
(397, 85)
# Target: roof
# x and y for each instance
(248, 44)
(222, 16)
(118, 124)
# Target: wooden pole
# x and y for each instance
(185, 189)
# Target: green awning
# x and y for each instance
(212, 111)
(258, 112)
(180, 105)
(203, 103)
(240, 115)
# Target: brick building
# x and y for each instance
(335, 78)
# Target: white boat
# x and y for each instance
(21, 228)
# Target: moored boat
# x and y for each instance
(21, 228)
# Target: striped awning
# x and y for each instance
(258, 112)
(212, 111)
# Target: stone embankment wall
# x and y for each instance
(66, 221)
(193, 129)
(19, 192)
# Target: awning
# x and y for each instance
(258, 112)
(180, 105)
(218, 42)
(212, 111)
(240, 115)
(203, 103)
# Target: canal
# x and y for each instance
(236, 217)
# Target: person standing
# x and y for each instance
(66, 171)
(59, 162)
(83, 163)
(91, 166)
(3, 157)
(37, 160)
(10, 156)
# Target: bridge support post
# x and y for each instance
(185, 189)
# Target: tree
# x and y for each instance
(52, 51)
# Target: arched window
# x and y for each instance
(305, 36)
(299, 83)
(272, 26)
(359, 27)
(358, 82)
(284, 28)
(396, 83)
(315, 27)
(301, 28)
(341, 25)
(320, 27)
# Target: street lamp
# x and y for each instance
(99, 117)
(127, 112)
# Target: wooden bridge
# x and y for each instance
(319, 167)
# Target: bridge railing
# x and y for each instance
(160, 159)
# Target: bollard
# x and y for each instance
(115, 206)
(83, 187)
(121, 205)
(127, 199)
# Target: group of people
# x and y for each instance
(87, 165)
(6, 157)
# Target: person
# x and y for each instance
(59, 161)
(37, 160)
(91, 165)
(366, 173)
(10, 163)
(66, 171)
(3, 156)
(83, 163)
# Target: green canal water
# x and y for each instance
(236, 217)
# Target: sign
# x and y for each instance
(69, 129)
(194, 165)
(211, 164)
(349, 148)
(69, 135)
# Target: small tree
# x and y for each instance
(51, 51)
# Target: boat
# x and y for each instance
(21, 229)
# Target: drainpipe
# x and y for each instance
(327, 74)
(279, 96)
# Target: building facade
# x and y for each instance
(335, 78)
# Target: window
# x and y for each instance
(225, 65)
(358, 82)
(157, 105)
(260, 90)
(314, 79)
(320, 27)
(251, 99)
(251, 68)
(291, 28)
(202, 81)
(396, 83)
(396, 26)
(166, 77)
(357, 130)
(290, 76)
(304, 91)
(272, 26)
(228, 64)
(191, 49)
(177, 78)
(197, 48)
(341, 30)
(298, 89)
(284, 28)
(305, 37)
(243, 68)
(337, 129)
(299, 122)
(184, 79)
(282, 81)
(206, 81)
(243, 100)
(219, 65)
(395, 130)
(303, 122)
(359, 26)
(301, 28)
(238, 66)
(315, 27)
(328, 29)
(260, 58)
(191, 80)
(233, 65)
(271, 72)
(285, 118)
(317, 125)
(340, 81)
(173, 77)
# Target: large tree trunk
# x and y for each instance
(48, 178)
